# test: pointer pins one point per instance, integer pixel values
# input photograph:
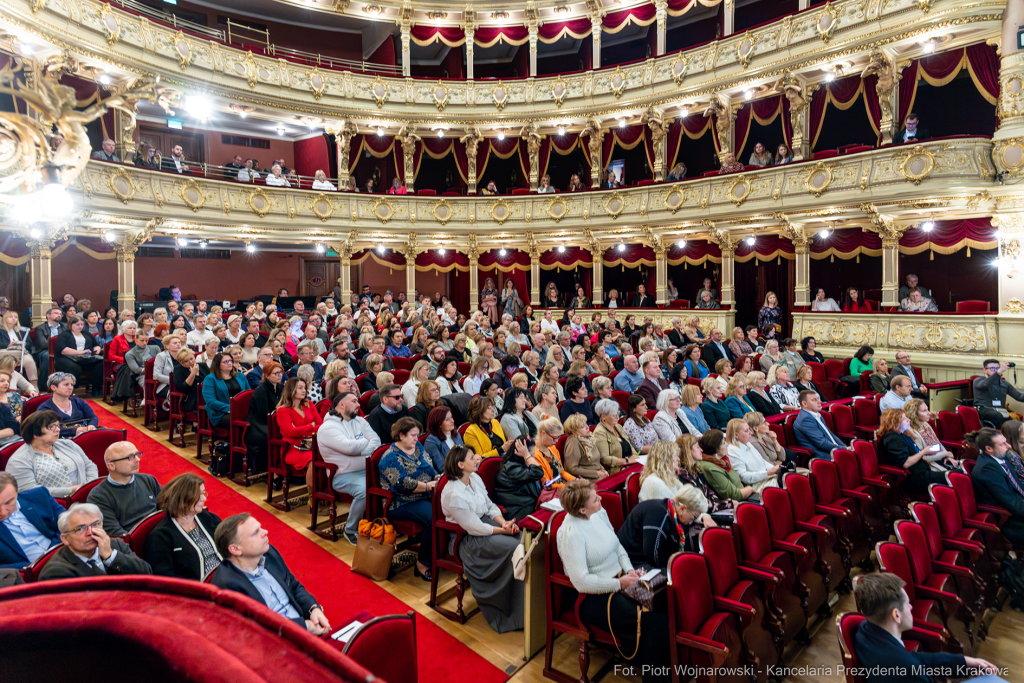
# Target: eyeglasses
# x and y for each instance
(55, 427)
(131, 456)
(993, 368)
(81, 528)
(395, 397)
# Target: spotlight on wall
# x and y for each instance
(203, 244)
(380, 132)
(621, 247)
(182, 241)
(751, 240)
(320, 249)
(929, 45)
(928, 225)
(681, 243)
(104, 79)
(251, 248)
(380, 248)
(440, 132)
(441, 251)
(109, 236)
(501, 135)
(830, 76)
(502, 253)
(36, 234)
(748, 94)
(561, 249)
(199, 107)
(622, 123)
(684, 111)
(561, 131)
(824, 233)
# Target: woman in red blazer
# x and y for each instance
(123, 342)
(298, 419)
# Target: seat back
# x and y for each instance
(834, 369)
(925, 515)
(972, 306)
(753, 536)
(847, 468)
(950, 426)
(7, 452)
(364, 401)
(691, 600)
(825, 481)
(780, 512)
(969, 418)
(632, 491)
(31, 573)
(375, 503)
(240, 406)
(140, 532)
(947, 509)
(488, 472)
(401, 364)
(611, 501)
(716, 544)
(818, 372)
(622, 398)
(913, 538)
(82, 494)
(867, 458)
(386, 646)
(865, 413)
(846, 629)
(401, 376)
(964, 487)
(95, 444)
(31, 405)
(842, 419)
(893, 558)
(801, 496)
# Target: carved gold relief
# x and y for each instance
(379, 91)
(745, 49)
(1015, 306)
(559, 91)
(111, 26)
(557, 209)
(818, 178)
(618, 82)
(383, 209)
(317, 83)
(122, 185)
(675, 198)
(679, 68)
(500, 95)
(917, 164)
(192, 194)
(441, 94)
(826, 24)
(183, 50)
(442, 211)
(259, 202)
(614, 204)
(321, 206)
(737, 188)
(1009, 155)
(500, 211)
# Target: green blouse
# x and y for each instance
(726, 484)
(857, 367)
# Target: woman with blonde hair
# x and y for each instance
(14, 341)
(896, 448)
(765, 442)
(723, 367)
(419, 340)
(581, 458)
(803, 381)
(879, 379)
(771, 356)
(485, 350)
(556, 357)
(715, 411)
(660, 477)
(924, 436)
(420, 373)
(427, 396)
(739, 345)
(691, 398)
(689, 455)
(781, 389)
(753, 470)
(736, 397)
(758, 395)
(478, 372)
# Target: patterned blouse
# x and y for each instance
(785, 396)
(769, 316)
(202, 541)
(640, 437)
(14, 402)
(400, 473)
(715, 504)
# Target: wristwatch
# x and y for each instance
(315, 606)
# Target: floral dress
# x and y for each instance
(640, 437)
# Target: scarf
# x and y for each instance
(587, 441)
(679, 527)
(722, 462)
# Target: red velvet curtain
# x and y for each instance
(459, 285)
(450, 260)
(514, 265)
(461, 160)
(390, 257)
(980, 60)
(840, 93)
(311, 155)
(871, 101)
(486, 36)
(908, 89)
(437, 148)
(564, 144)
(571, 258)
(633, 255)
(626, 138)
(694, 252)
(643, 15)
(764, 113)
(554, 31)
(847, 244)
(452, 36)
(947, 237)
(765, 248)
(983, 64)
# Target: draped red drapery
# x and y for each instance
(626, 138)
(764, 112)
(642, 15)
(554, 31)
(435, 260)
(947, 237)
(487, 36)
(633, 255)
(453, 36)
(569, 259)
(981, 63)
(563, 145)
(841, 93)
(765, 248)
(694, 253)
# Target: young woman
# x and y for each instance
(448, 376)
(823, 302)
(14, 341)
(442, 435)
(484, 434)
(678, 172)
(298, 419)
(770, 313)
(760, 157)
(575, 185)
(739, 345)
(516, 420)
(695, 365)
(510, 300)
(689, 455)
(489, 301)
(78, 354)
(715, 411)
(638, 429)
(427, 396)
(853, 303)
(552, 297)
(783, 155)
(925, 439)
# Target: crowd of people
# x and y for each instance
(691, 402)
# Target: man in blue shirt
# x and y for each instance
(255, 568)
(629, 378)
(28, 527)
(877, 645)
(898, 394)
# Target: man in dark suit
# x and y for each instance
(990, 392)
(903, 367)
(810, 430)
(715, 349)
(28, 523)
(877, 645)
(653, 382)
(997, 482)
(911, 132)
(255, 568)
(88, 550)
(41, 335)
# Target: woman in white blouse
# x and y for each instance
(320, 182)
(420, 373)
(486, 549)
(660, 477)
(746, 461)
(781, 389)
(47, 460)
(599, 568)
(823, 303)
(276, 179)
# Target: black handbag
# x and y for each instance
(220, 462)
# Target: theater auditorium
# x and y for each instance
(572, 340)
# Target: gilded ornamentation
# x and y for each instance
(317, 83)
(500, 211)
(441, 94)
(383, 209)
(618, 82)
(442, 211)
(724, 118)
(122, 184)
(192, 194)
(321, 206)
(679, 67)
(259, 202)
(675, 198)
(737, 188)
(917, 164)
(559, 91)
(614, 203)
(379, 91)
(409, 138)
(500, 95)
(183, 50)
(745, 49)
(1008, 154)
(818, 178)
(1014, 306)
(826, 24)
(109, 22)
(557, 208)
(471, 140)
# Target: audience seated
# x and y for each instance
(765, 442)
(822, 302)
(577, 403)
(651, 532)
(408, 473)
(256, 569)
(484, 434)
(898, 394)
(897, 449)
(580, 457)
(781, 389)
(391, 410)
(747, 462)
(916, 302)
(442, 435)
(852, 302)
(671, 421)
(910, 131)
(76, 415)
(520, 477)
(183, 544)
(79, 354)
(88, 550)
(653, 383)
(219, 387)
(715, 411)
(716, 469)
(659, 478)
(613, 447)
(298, 419)
(28, 523)
(690, 454)
(599, 569)
(47, 460)
(736, 397)
(998, 479)
(730, 165)
(810, 430)
(880, 651)
(126, 496)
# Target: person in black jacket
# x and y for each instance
(518, 484)
(809, 352)
(881, 653)
(642, 299)
(187, 379)
(896, 449)
(182, 544)
(998, 481)
(251, 566)
(651, 532)
(262, 403)
(78, 353)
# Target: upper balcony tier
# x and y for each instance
(947, 178)
(809, 44)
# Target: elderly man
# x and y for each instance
(630, 379)
(903, 367)
(715, 349)
(88, 549)
(28, 523)
(898, 394)
(307, 356)
(255, 568)
(126, 496)
(255, 376)
(912, 282)
(107, 153)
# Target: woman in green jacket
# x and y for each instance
(717, 469)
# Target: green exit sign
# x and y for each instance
(331, 252)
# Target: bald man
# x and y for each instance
(125, 497)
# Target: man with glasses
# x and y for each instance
(125, 497)
(903, 367)
(88, 549)
(391, 410)
(991, 390)
(28, 523)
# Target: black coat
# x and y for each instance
(894, 449)
(66, 340)
(766, 407)
(650, 536)
(232, 578)
(517, 487)
(876, 648)
(992, 487)
(263, 402)
(170, 553)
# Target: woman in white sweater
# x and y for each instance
(598, 567)
(486, 549)
(746, 461)
(659, 479)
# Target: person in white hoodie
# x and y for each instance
(345, 439)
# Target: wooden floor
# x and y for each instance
(816, 663)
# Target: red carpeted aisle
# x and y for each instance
(342, 593)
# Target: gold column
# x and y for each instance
(125, 276)
(409, 138)
(533, 51)
(1008, 149)
(343, 148)
(406, 59)
(653, 119)
(471, 139)
(802, 290)
(597, 293)
(595, 145)
(469, 30)
(42, 295)
(345, 275)
(410, 268)
(124, 136)
(661, 275)
(531, 135)
(474, 275)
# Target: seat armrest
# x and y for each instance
(704, 644)
(745, 613)
(857, 495)
(789, 547)
(947, 568)
(982, 525)
(933, 594)
(877, 482)
(831, 511)
(754, 574)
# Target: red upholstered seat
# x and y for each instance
(426, 192)
(632, 491)
(966, 561)
(611, 501)
(843, 424)
(927, 612)
(239, 423)
(864, 496)
(323, 490)
(401, 364)
(140, 624)
(138, 534)
(31, 405)
(109, 370)
(834, 369)
(82, 494)
(276, 465)
(444, 533)
(95, 444)
(178, 417)
(620, 397)
(364, 401)
(378, 498)
(969, 418)
(950, 430)
(401, 376)
(323, 407)
(824, 479)
(488, 473)
(802, 547)
(973, 306)
(973, 514)
(866, 417)
(386, 646)
(31, 573)
(154, 406)
(704, 630)
(205, 430)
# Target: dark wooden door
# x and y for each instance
(319, 277)
(164, 140)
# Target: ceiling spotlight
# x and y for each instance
(824, 233)
(501, 253)
(748, 94)
(280, 131)
(750, 240)
(380, 248)
(182, 241)
(320, 249)
(501, 135)
(380, 132)
(622, 123)
(199, 107)
(929, 45)
(25, 49)
(440, 133)
(56, 201)
(250, 248)
(104, 79)
(203, 244)
(681, 243)
(830, 76)
(561, 131)
(109, 236)
(35, 234)
(928, 225)
(242, 113)
(441, 251)
(621, 247)
(561, 249)
(684, 111)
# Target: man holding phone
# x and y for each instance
(990, 393)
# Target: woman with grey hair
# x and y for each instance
(671, 422)
(47, 460)
(76, 415)
(610, 441)
(308, 374)
(651, 533)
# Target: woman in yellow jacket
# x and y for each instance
(610, 441)
(484, 434)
